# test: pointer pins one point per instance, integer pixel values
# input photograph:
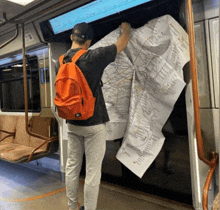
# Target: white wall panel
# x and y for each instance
(211, 8)
(202, 66)
(214, 39)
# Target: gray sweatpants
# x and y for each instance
(92, 141)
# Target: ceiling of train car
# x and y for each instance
(14, 11)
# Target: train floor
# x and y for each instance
(28, 188)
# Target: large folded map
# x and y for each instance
(142, 86)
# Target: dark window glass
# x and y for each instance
(12, 88)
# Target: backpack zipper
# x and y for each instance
(82, 101)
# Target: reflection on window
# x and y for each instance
(12, 88)
(44, 73)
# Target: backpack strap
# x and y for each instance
(78, 55)
(61, 59)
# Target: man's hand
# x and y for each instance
(125, 26)
(124, 38)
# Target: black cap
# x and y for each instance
(83, 30)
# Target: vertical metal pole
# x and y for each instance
(24, 76)
(194, 81)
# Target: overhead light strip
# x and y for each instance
(21, 2)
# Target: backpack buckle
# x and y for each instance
(78, 115)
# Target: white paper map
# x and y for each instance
(141, 88)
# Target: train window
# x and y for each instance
(12, 88)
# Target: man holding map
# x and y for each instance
(89, 135)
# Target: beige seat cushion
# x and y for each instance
(216, 205)
(15, 152)
(5, 147)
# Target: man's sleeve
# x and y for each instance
(103, 56)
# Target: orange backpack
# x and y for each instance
(74, 98)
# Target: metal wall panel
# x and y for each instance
(209, 128)
(202, 66)
(211, 8)
(198, 10)
(31, 40)
(198, 168)
(55, 50)
(205, 9)
(214, 40)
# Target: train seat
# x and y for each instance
(18, 145)
(216, 205)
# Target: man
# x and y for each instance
(89, 136)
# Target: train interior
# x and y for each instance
(169, 178)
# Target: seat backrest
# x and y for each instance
(43, 126)
(7, 123)
(21, 136)
(1, 125)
